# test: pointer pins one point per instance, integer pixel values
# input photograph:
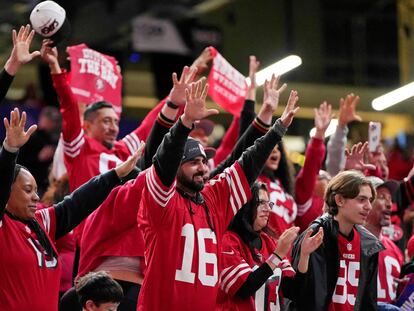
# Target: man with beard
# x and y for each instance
(183, 218)
(391, 259)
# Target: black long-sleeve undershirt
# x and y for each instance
(5, 81)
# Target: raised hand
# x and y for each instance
(253, 66)
(48, 53)
(177, 94)
(16, 136)
(271, 95)
(20, 53)
(355, 158)
(285, 241)
(202, 61)
(195, 108)
(323, 117)
(128, 165)
(290, 109)
(310, 244)
(347, 110)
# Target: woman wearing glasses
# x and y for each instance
(252, 263)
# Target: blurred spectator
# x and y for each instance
(37, 154)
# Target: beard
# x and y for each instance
(190, 183)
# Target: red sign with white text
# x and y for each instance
(95, 76)
(227, 86)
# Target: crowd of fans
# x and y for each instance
(161, 221)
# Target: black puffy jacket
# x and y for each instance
(316, 287)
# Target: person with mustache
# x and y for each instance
(183, 219)
(391, 259)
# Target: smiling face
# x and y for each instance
(262, 211)
(354, 211)
(273, 160)
(103, 126)
(23, 196)
(191, 174)
(380, 215)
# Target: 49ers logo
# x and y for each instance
(50, 28)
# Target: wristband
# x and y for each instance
(171, 104)
(274, 259)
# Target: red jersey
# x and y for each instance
(84, 156)
(346, 288)
(237, 263)
(284, 211)
(112, 229)
(29, 279)
(181, 250)
(390, 261)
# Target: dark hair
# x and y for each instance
(347, 184)
(98, 287)
(33, 223)
(242, 223)
(17, 170)
(90, 111)
(284, 172)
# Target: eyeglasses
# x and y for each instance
(264, 205)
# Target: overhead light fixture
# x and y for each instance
(394, 97)
(329, 131)
(279, 68)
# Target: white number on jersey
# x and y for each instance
(40, 254)
(349, 279)
(185, 274)
(390, 264)
(105, 159)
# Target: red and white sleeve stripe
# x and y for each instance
(132, 142)
(238, 196)
(160, 193)
(45, 216)
(287, 269)
(304, 208)
(72, 149)
(233, 277)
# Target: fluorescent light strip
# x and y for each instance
(284, 65)
(329, 131)
(394, 97)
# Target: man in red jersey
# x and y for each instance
(183, 219)
(391, 259)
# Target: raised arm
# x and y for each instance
(248, 114)
(88, 197)
(19, 56)
(16, 137)
(168, 157)
(254, 157)
(167, 115)
(315, 153)
(335, 160)
(258, 127)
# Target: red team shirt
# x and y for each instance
(390, 261)
(181, 250)
(86, 157)
(27, 277)
(124, 238)
(346, 288)
(237, 263)
(285, 210)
